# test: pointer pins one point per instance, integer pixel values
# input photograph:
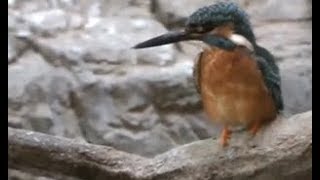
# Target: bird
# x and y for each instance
(238, 80)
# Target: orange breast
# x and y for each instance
(232, 88)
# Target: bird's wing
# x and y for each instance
(271, 75)
(196, 71)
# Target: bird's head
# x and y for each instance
(224, 20)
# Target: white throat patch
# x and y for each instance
(241, 41)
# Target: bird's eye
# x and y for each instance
(199, 29)
(194, 29)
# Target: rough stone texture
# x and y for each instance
(109, 41)
(291, 44)
(20, 74)
(15, 47)
(100, 103)
(71, 71)
(287, 155)
(53, 21)
(38, 97)
(16, 174)
(144, 117)
(273, 10)
(174, 13)
(28, 6)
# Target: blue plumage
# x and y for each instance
(215, 15)
(209, 17)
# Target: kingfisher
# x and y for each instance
(237, 79)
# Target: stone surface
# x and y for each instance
(16, 175)
(47, 22)
(22, 73)
(282, 150)
(28, 6)
(12, 50)
(127, 8)
(291, 44)
(107, 106)
(273, 10)
(109, 41)
(53, 21)
(174, 13)
(100, 105)
(15, 47)
(95, 8)
(38, 93)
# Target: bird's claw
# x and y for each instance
(225, 136)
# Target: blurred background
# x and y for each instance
(71, 71)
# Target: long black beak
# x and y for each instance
(168, 38)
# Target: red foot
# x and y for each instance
(255, 128)
(225, 136)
